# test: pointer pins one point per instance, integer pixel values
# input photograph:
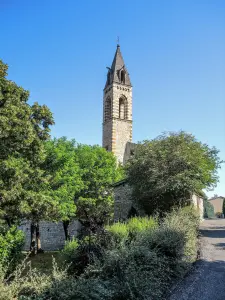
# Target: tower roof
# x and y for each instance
(118, 72)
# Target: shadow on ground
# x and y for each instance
(207, 279)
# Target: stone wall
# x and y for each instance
(198, 203)
(124, 203)
(122, 200)
(123, 129)
(117, 131)
(52, 234)
(129, 151)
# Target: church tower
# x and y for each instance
(117, 108)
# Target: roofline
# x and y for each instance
(214, 198)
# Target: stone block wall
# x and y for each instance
(122, 200)
(124, 203)
(52, 234)
(117, 131)
(198, 203)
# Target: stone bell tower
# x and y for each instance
(117, 108)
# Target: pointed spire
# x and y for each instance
(118, 72)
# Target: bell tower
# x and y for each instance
(117, 108)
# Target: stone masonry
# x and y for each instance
(117, 108)
(52, 234)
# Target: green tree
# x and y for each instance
(95, 200)
(165, 171)
(23, 129)
(62, 166)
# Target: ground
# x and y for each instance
(43, 262)
(207, 280)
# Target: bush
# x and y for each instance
(80, 253)
(11, 244)
(144, 268)
(118, 234)
(123, 233)
(138, 225)
(26, 283)
(70, 249)
(185, 220)
(208, 210)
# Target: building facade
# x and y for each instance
(217, 203)
(117, 108)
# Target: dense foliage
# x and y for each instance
(95, 200)
(123, 233)
(141, 269)
(165, 171)
(11, 243)
(61, 165)
(23, 128)
(208, 209)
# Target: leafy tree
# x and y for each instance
(62, 165)
(165, 171)
(208, 209)
(23, 129)
(95, 200)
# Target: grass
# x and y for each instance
(43, 261)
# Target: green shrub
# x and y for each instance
(119, 233)
(144, 268)
(122, 233)
(138, 225)
(185, 220)
(208, 209)
(69, 249)
(11, 244)
(80, 253)
(26, 283)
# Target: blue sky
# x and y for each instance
(174, 52)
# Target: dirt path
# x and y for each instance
(207, 281)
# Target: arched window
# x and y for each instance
(122, 76)
(123, 108)
(108, 109)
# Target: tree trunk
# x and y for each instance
(66, 230)
(38, 239)
(33, 240)
(8, 221)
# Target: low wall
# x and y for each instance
(52, 234)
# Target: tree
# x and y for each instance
(62, 165)
(23, 129)
(165, 171)
(95, 200)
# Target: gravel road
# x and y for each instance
(207, 280)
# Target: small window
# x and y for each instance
(122, 77)
(123, 113)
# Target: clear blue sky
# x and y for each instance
(174, 52)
